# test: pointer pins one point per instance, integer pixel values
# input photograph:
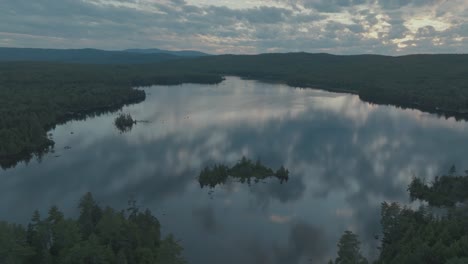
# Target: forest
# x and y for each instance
(34, 97)
(434, 83)
(99, 235)
(430, 234)
(85, 56)
(436, 233)
(95, 56)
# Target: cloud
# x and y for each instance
(336, 26)
(206, 216)
(345, 157)
(279, 219)
(306, 242)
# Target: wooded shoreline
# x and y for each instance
(36, 96)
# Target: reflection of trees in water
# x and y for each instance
(245, 170)
(333, 157)
(47, 145)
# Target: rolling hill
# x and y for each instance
(181, 53)
(84, 56)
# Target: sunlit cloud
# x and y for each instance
(279, 219)
(243, 26)
(344, 212)
(416, 23)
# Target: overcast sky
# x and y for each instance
(390, 27)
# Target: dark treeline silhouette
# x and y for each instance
(420, 236)
(34, 97)
(434, 83)
(99, 235)
(86, 56)
(95, 56)
(245, 170)
(180, 53)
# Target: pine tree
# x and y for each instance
(349, 250)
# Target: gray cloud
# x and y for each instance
(337, 26)
(306, 242)
(206, 216)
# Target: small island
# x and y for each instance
(245, 170)
(124, 122)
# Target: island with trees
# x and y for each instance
(124, 122)
(244, 170)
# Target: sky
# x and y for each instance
(390, 27)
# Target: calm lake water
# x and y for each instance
(345, 157)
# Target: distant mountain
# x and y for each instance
(85, 56)
(182, 53)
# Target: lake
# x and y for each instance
(345, 157)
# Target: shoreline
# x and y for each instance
(447, 113)
(9, 161)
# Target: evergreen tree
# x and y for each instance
(97, 237)
(349, 250)
(90, 214)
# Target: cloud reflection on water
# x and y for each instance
(345, 157)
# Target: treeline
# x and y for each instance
(420, 236)
(95, 56)
(99, 235)
(34, 97)
(85, 56)
(244, 170)
(434, 83)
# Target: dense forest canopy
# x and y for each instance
(181, 53)
(105, 235)
(99, 235)
(428, 82)
(87, 56)
(35, 96)
(95, 56)
(420, 236)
